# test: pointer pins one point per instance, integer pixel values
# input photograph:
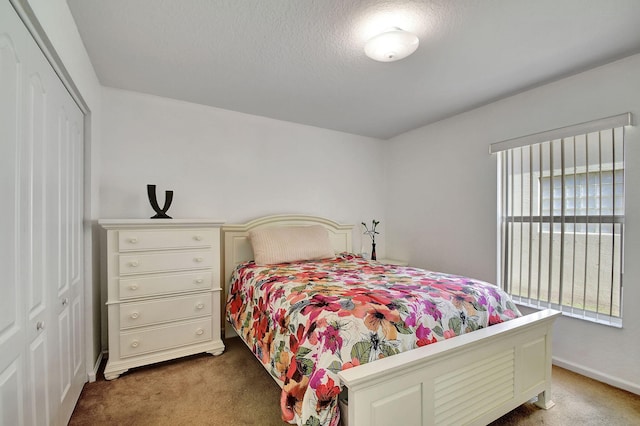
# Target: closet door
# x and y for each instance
(13, 380)
(41, 296)
(63, 219)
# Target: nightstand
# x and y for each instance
(163, 290)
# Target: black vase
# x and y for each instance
(373, 251)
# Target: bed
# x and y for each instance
(315, 331)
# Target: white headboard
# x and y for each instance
(236, 247)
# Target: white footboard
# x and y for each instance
(471, 379)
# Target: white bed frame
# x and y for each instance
(470, 379)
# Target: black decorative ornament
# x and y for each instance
(161, 213)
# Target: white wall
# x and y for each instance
(441, 212)
(232, 166)
(57, 22)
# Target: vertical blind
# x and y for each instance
(561, 211)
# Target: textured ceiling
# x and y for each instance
(303, 60)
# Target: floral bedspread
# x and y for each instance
(307, 321)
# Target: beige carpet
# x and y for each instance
(234, 389)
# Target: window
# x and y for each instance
(561, 216)
(592, 194)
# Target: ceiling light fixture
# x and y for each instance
(391, 45)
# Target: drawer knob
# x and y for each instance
(40, 325)
(135, 344)
(133, 263)
(198, 259)
(199, 281)
(133, 240)
(197, 237)
(200, 306)
(133, 287)
(65, 301)
(134, 315)
(199, 332)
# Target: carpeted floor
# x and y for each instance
(234, 389)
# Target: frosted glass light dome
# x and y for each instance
(391, 45)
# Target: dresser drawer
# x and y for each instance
(164, 337)
(165, 261)
(156, 285)
(165, 239)
(136, 314)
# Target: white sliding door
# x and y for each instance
(41, 255)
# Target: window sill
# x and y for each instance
(580, 314)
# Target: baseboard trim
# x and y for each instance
(597, 375)
(93, 374)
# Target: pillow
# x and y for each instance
(283, 244)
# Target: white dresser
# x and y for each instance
(163, 290)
